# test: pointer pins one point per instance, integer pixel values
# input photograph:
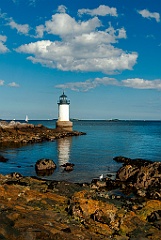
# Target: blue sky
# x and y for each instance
(105, 55)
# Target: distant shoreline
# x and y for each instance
(77, 119)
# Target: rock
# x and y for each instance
(144, 177)
(32, 208)
(42, 173)
(16, 175)
(149, 179)
(68, 167)
(122, 159)
(24, 133)
(45, 164)
(154, 216)
(127, 172)
(64, 188)
(3, 124)
(3, 159)
(137, 162)
(68, 164)
(96, 183)
(39, 125)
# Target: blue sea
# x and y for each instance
(92, 153)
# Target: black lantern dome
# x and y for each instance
(63, 99)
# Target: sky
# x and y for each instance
(105, 55)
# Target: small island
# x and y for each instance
(23, 133)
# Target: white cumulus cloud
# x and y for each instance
(30, 2)
(62, 9)
(3, 38)
(147, 14)
(82, 46)
(3, 48)
(102, 10)
(40, 31)
(89, 84)
(75, 56)
(62, 24)
(21, 28)
(142, 83)
(1, 82)
(13, 84)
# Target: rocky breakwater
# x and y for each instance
(22, 133)
(32, 208)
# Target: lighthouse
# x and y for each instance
(63, 114)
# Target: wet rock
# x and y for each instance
(68, 167)
(24, 133)
(155, 219)
(68, 164)
(127, 172)
(122, 159)
(149, 176)
(45, 165)
(32, 208)
(16, 175)
(138, 162)
(99, 216)
(141, 176)
(96, 183)
(154, 216)
(64, 188)
(43, 173)
(112, 184)
(3, 159)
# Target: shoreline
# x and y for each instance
(24, 133)
(125, 208)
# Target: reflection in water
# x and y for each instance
(64, 145)
(43, 173)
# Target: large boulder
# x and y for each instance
(143, 176)
(137, 162)
(126, 173)
(149, 180)
(45, 164)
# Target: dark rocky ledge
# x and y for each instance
(23, 133)
(120, 209)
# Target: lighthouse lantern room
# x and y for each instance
(63, 113)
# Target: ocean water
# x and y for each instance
(92, 153)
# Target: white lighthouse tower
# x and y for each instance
(63, 113)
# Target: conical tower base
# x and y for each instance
(64, 125)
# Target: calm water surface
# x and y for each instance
(93, 153)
